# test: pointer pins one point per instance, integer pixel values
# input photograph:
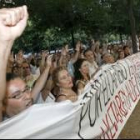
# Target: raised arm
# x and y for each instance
(77, 53)
(12, 24)
(42, 79)
(44, 56)
(63, 56)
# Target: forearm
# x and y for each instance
(40, 83)
(60, 60)
(5, 49)
(76, 56)
(42, 65)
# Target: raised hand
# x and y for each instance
(78, 46)
(63, 52)
(49, 61)
(97, 43)
(12, 23)
(67, 48)
(45, 54)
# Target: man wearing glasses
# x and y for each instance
(18, 96)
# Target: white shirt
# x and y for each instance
(92, 68)
(49, 99)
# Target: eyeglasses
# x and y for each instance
(19, 94)
(25, 67)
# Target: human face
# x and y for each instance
(15, 71)
(121, 55)
(26, 69)
(127, 51)
(84, 68)
(90, 56)
(65, 80)
(109, 59)
(18, 97)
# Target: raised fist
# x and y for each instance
(12, 23)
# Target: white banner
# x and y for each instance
(101, 112)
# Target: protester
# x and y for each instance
(64, 84)
(28, 77)
(19, 96)
(91, 61)
(121, 55)
(127, 51)
(63, 62)
(39, 77)
(12, 25)
(82, 76)
(108, 58)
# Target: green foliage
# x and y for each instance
(52, 22)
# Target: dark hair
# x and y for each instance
(33, 62)
(87, 50)
(77, 66)
(124, 47)
(11, 76)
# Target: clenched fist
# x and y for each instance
(12, 23)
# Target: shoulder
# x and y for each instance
(80, 84)
(61, 97)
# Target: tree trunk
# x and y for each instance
(121, 38)
(132, 23)
(72, 37)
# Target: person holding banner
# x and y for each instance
(63, 84)
(82, 75)
(93, 67)
(19, 96)
(108, 58)
(12, 24)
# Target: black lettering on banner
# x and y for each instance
(128, 68)
(93, 106)
(124, 72)
(86, 109)
(112, 85)
(137, 87)
(119, 73)
(133, 94)
(98, 91)
(102, 89)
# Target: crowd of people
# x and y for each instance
(43, 78)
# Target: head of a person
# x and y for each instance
(121, 54)
(20, 53)
(18, 95)
(126, 50)
(89, 56)
(101, 51)
(81, 68)
(26, 69)
(62, 78)
(33, 62)
(115, 48)
(108, 58)
(15, 70)
(38, 62)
